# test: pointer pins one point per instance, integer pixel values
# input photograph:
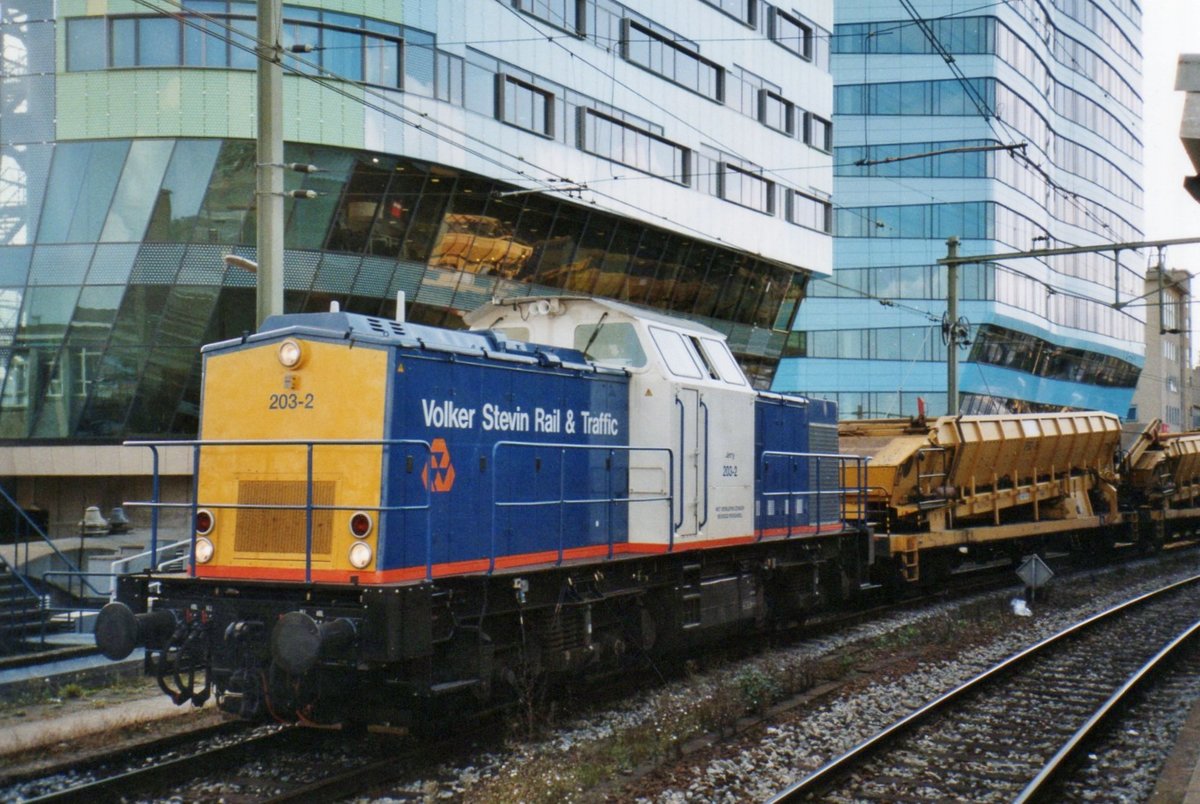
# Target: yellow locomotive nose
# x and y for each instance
(292, 484)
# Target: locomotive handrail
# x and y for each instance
(197, 445)
(704, 521)
(563, 501)
(842, 492)
(682, 466)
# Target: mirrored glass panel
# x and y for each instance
(137, 191)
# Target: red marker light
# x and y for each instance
(204, 521)
(360, 524)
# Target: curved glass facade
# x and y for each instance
(443, 135)
(106, 308)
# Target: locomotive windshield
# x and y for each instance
(612, 344)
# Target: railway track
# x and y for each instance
(1014, 731)
(184, 763)
(237, 762)
(154, 766)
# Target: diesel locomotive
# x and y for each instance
(394, 520)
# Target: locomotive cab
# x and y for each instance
(694, 426)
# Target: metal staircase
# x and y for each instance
(22, 617)
(25, 614)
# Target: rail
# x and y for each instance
(155, 504)
(794, 497)
(682, 468)
(816, 782)
(1057, 764)
(929, 453)
(617, 491)
(704, 519)
(562, 501)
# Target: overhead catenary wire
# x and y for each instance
(991, 118)
(326, 79)
(297, 65)
(331, 81)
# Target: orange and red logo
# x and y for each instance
(438, 474)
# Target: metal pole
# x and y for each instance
(270, 162)
(1185, 357)
(952, 340)
(1117, 278)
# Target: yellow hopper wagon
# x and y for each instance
(1161, 474)
(968, 489)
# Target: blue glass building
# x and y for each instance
(1058, 79)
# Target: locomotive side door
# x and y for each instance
(689, 440)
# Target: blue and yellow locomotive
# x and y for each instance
(389, 516)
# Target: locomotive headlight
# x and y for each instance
(360, 555)
(290, 353)
(204, 550)
(361, 524)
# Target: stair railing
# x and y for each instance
(13, 565)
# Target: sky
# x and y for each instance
(1169, 27)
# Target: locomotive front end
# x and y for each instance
(288, 523)
(290, 471)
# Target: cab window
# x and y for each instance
(514, 333)
(675, 353)
(718, 355)
(613, 344)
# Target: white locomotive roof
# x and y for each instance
(484, 317)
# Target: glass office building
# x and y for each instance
(1014, 126)
(672, 155)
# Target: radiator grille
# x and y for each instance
(282, 530)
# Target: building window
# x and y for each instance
(54, 388)
(86, 44)
(525, 106)
(673, 61)
(818, 132)
(343, 48)
(450, 79)
(747, 189)
(564, 14)
(776, 112)
(810, 212)
(1170, 317)
(972, 219)
(621, 142)
(744, 11)
(16, 383)
(793, 33)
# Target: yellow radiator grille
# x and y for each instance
(282, 530)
